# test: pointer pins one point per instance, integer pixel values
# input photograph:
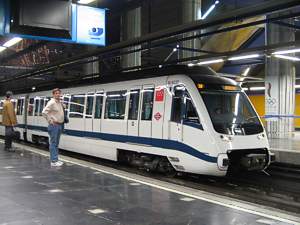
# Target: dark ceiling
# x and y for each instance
(30, 55)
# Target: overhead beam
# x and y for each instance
(287, 25)
(261, 9)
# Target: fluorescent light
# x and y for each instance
(257, 88)
(2, 48)
(208, 11)
(245, 89)
(85, 1)
(244, 57)
(246, 71)
(287, 57)
(211, 61)
(297, 86)
(12, 42)
(286, 51)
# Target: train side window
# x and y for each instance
(134, 104)
(30, 107)
(183, 107)
(77, 106)
(42, 102)
(148, 96)
(66, 101)
(115, 105)
(99, 104)
(178, 104)
(36, 106)
(191, 114)
(89, 106)
(19, 107)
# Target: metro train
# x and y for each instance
(175, 118)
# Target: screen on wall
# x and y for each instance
(49, 18)
(89, 25)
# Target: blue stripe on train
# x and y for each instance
(160, 143)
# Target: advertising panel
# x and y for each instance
(90, 25)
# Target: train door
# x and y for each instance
(158, 112)
(133, 111)
(98, 110)
(76, 112)
(36, 111)
(145, 123)
(88, 119)
(175, 124)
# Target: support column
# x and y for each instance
(280, 85)
(131, 28)
(191, 11)
(93, 67)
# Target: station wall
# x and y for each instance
(259, 103)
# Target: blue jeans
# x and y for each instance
(54, 131)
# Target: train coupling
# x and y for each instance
(254, 161)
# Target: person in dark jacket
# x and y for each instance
(9, 120)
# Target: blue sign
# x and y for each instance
(88, 25)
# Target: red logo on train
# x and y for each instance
(159, 95)
(157, 116)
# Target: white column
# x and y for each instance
(131, 28)
(191, 11)
(280, 85)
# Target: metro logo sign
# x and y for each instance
(159, 95)
(157, 116)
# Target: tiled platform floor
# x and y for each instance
(31, 193)
(287, 150)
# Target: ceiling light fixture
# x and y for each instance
(85, 1)
(246, 72)
(287, 57)
(2, 48)
(244, 57)
(211, 61)
(257, 88)
(286, 51)
(12, 42)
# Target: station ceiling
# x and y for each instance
(32, 55)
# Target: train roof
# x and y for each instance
(196, 73)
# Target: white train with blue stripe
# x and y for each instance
(179, 118)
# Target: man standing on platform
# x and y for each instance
(9, 120)
(54, 114)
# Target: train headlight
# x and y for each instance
(223, 161)
(226, 138)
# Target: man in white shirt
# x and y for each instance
(54, 114)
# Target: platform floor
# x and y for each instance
(31, 193)
(287, 150)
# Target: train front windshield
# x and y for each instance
(231, 113)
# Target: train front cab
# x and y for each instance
(238, 130)
(214, 117)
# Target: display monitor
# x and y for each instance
(48, 18)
